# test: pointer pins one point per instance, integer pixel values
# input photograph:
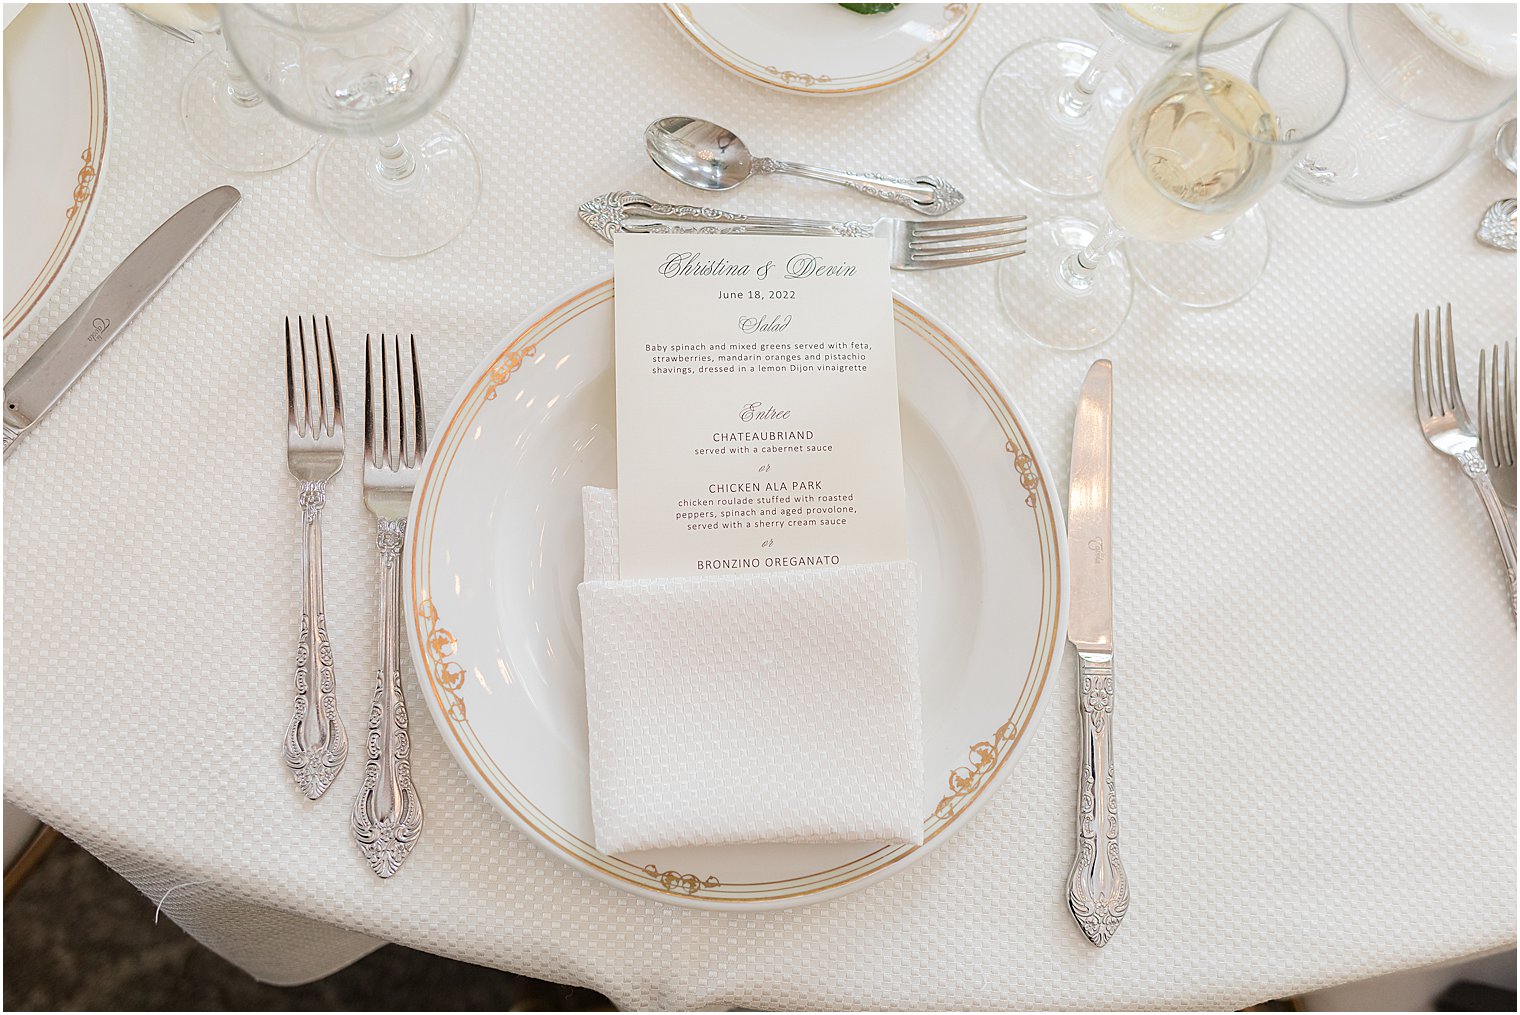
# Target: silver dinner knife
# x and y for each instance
(1098, 889)
(38, 383)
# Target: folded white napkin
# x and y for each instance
(775, 707)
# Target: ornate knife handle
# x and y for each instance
(315, 744)
(1477, 471)
(928, 195)
(387, 815)
(1098, 890)
(624, 211)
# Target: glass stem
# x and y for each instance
(239, 89)
(1079, 270)
(396, 162)
(1076, 99)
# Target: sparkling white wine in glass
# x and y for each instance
(1187, 160)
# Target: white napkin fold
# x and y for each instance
(776, 707)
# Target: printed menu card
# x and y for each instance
(757, 424)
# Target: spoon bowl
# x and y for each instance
(1504, 146)
(698, 153)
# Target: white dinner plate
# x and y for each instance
(494, 557)
(55, 148)
(823, 49)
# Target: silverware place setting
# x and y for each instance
(916, 245)
(1448, 428)
(386, 817)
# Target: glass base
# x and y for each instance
(1027, 133)
(1041, 303)
(407, 217)
(244, 139)
(1212, 271)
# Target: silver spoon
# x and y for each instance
(1497, 229)
(709, 157)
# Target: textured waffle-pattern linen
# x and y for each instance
(799, 718)
(1314, 759)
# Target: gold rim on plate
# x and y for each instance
(436, 649)
(82, 199)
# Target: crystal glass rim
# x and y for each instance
(1378, 85)
(258, 10)
(1200, 50)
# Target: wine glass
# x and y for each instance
(1048, 109)
(398, 178)
(1200, 144)
(1413, 112)
(226, 118)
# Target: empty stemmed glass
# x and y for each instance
(226, 118)
(1202, 142)
(399, 178)
(1414, 110)
(1048, 109)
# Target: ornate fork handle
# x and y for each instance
(1098, 890)
(1477, 471)
(928, 195)
(626, 211)
(315, 744)
(387, 814)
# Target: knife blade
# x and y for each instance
(1089, 524)
(1098, 889)
(38, 383)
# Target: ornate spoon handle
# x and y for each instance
(927, 195)
(315, 744)
(1477, 471)
(626, 211)
(387, 815)
(1098, 890)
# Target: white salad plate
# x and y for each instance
(55, 148)
(1481, 35)
(494, 558)
(823, 49)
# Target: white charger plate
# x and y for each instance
(494, 557)
(820, 48)
(55, 148)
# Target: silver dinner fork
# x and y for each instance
(1447, 427)
(387, 815)
(315, 744)
(1496, 421)
(915, 245)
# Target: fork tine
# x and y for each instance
(403, 449)
(1449, 368)
(421, 417)
(932, 228)
(920, 262)
(385, 405)
(1507, 409)
(1487, 447)
(306, 426)
(290, 378)
(1432, 399)
(369, 402)
(337, 384)
(324, 421)
(1421, 408)
(929, 241)
(943, 253)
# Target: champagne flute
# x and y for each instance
(226, 118)
(398, 178)
(1203, 140)
(1048, 109)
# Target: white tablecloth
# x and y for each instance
(1316, 705)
